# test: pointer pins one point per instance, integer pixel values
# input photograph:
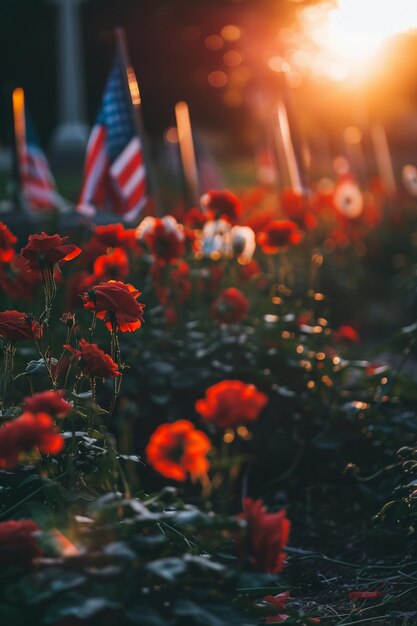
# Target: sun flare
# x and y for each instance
(349, 35)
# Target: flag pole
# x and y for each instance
(19, 139)
(133, 91)
(188, 161)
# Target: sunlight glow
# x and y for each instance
(349, 35)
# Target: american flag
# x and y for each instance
(114, 171)
(36, 181)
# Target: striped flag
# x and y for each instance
(114, 171)
(36, 182)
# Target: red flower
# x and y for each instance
(115, 303)
(18, 543)
(7, 240)
(51, 402)
(177, 449)
(347, 333)
(114, 265)
(164, 236)
(364, 595)
(18, 281)
(230, 306)
(15, 325)
(268, 535)
(25, 433)
(222, 204)
(94, 361)
(46, 250)
(277, 235)
(230, 403)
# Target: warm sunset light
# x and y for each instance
(208, 344)
(350, 34)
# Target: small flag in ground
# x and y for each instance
(36, 182)
(114, 171)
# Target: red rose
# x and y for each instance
(177, 449)
(46, 250)
(94, 361)
(15, 325)
(230, 403)
(51, 402)
(230, 306)
(268, 535)
(222, 204)
(7, 240)
(112, 266)
(25, 433)
(18, 543)
(278, 234)
(116, 304)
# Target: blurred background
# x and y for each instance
(341, 65)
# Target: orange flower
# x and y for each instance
(277, 235)
(94, 361)
(18, 543)
(115, 303)
(7, 240)
(177, 449)
(15, 325)
(268, 535)
(51, 402)
(25, 433)
(230, 306)
(230, 403)
(46, 250)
